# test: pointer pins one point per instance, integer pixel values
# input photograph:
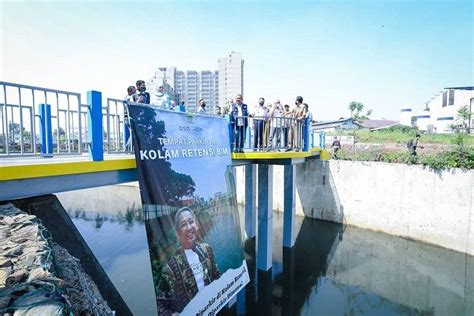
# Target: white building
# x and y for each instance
(209, 88)
(405, 115)
(441, 111)
(231, 77)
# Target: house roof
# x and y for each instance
(348, 123)
(460, 88)
(377, 124)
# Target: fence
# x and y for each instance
(43, 121)
(256, 133)
(25, 110)
(47, 122)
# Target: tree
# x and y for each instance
(464, 115)
(356, 108)
(173, 185)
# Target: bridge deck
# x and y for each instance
(31, 176)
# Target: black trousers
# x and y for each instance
(258, 134)
(239, 137)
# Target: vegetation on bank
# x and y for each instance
(456, 150)
(399, 135)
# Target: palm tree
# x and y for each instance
(465, 116)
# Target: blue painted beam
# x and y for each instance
(250, 200)
(46, 133)
(16, 189)
(94, 121)
(265, 219)
(289, 194)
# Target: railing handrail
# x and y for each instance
(18, 85)
(67, 117)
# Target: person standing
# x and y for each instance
(413, 144)
(202, 107)
(129, 98)
(258, 125)
(239, 122)
(142, 95)
(336, 145)
(162, 99)
(300, 115)
(286, 120)
(276, 120)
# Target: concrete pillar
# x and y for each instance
(265, 219)
(250, 200)
(289, 196)
(289, 298)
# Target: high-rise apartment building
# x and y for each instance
(231, 77)
(215, 87)
(192, 90)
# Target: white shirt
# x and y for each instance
(196, 267)
(260, 112)
(240, 120)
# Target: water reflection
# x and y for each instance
(332, 270)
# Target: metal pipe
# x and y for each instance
(46, 127)
(5, 115)
(21, 122)
(33, 120)
(68, 126)
(117, 129)
(108, 125)
(79, 127)
(58, 141)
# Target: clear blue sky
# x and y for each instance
(386, 54)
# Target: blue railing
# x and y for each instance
(47, 122)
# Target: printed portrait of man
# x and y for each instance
(191, 267)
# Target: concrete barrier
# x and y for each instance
(410, 201)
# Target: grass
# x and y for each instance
(400, 135)
(459, 153)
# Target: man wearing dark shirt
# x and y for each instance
(336, 145)
(142, 95)
(413, 144)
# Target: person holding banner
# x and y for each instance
(191, 268)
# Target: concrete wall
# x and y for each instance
(398, 199)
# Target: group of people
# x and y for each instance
(138, 94)
(275, 126)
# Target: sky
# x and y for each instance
(385, 54)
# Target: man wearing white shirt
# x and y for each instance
(259, 117)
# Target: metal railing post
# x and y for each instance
(247, 141)
(94, 120)
(46, 130)
(306, 134)
(231, 131)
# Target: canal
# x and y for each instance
(332, 270)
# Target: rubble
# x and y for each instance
(38, 276)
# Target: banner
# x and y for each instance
(189, 202)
